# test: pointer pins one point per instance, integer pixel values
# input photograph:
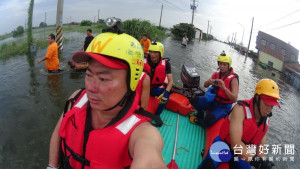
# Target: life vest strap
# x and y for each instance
(72, 101)
(158, 121)
(76, 156)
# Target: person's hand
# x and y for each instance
(210, 81)
(259, 163)
(51, 167)
(164, 97)
(39, 61)
(220, 84)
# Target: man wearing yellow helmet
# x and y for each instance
(218, 98)
(105, 128)
(159, 69)
(246, 128)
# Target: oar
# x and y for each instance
(172, 164)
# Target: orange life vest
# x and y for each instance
(105, 148)
(221, 96)
(252, 134)
(159, 74)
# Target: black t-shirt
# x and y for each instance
(87, 41)
(153, 66)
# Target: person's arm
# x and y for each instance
(145, 147)
(169, 76)
(236, 118)
(56, 140)
(55, 145)
(209, 82)
(145, 92)
(232, 95)
(82, 47)
(262, 143)
(170, 82)
(49, 54)
(43, 59)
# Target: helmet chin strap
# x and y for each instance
(263, 119)
(122, 101)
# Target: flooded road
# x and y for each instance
(31, 101)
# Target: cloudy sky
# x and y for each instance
(279, 18)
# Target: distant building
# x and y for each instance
(199, 33)
(279, 55)
(276, 53)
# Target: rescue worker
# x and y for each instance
(105, 127)
(145, 42)
(88, 39)
(159, 69)
(246, 127)
(51, 57)
(143, 88)
(218, 99)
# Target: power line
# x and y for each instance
(280, 18)
(284, 26)
(173, 7)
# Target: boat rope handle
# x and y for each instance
(181, 147)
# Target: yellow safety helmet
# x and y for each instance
(223, 57)
(157, 47)
(123, 47)
(267, 87)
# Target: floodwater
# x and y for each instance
(31, 101)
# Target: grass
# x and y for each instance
(8, 35)
(13, 48)
(134, 27)
(40, 39)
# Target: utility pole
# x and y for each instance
(94, 19)
(162, 7)
(232, 40)
(210, 30)
(249, 40)
(70, 19)
(241, 44)
(59, 24)
(45, 22)
(98, 15)
(193, 7)
(207, 32)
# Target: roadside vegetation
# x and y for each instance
(182, 29)
(40, 39)
(137, 28)
(8, 35)
(134, 27)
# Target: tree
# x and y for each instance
(182, 29)
(101, 21)
(86, 23)
(43, 24)
(18, 31)
(137, 28)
